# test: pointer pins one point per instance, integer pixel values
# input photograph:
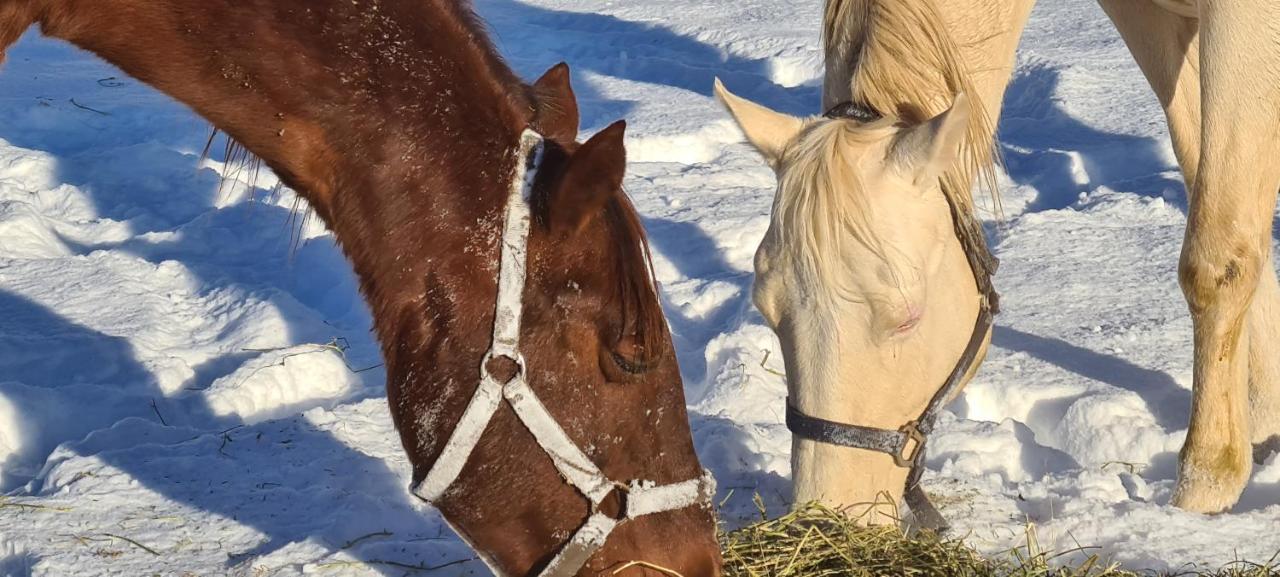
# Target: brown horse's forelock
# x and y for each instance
(637, 292)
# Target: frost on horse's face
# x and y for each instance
(864, 281)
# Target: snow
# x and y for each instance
(188, 383)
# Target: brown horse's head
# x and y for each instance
(598, 354)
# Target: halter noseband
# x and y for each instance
(642, 497)
(906, 444)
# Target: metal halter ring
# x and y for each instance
(517, 358)
(623, 491)
(911, 432)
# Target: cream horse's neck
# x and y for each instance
(987, 32)
(910, 374)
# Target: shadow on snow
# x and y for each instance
(1046, 148)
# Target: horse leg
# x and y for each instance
(1264, 365)
(1228, 241)
(1166, 47)
(1263, 319)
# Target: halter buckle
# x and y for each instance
(908, 453)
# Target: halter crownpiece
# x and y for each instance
(906, 445)
(642, 497)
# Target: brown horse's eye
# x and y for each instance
(627, 365)
(625, 359)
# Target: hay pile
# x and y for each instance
(817, 541)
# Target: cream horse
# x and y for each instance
(868, 288)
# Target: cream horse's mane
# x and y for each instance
(904, 63)
(821, 188)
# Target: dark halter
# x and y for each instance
(906, 445)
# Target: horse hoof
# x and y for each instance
(1211, 490)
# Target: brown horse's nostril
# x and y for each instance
(502, 368)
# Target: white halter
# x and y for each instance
(642, 497)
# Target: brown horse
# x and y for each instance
(400, 124)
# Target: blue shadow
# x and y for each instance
(695, 255)
(136, 155)
(18, 565)
(534, 38)
(1035, 133)
(85, 390)
(1168, 401)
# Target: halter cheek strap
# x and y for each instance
(642, 497)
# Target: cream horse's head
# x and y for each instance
(864, 281)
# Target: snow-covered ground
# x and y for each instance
(188, 384)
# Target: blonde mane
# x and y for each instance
(822, 188)
(899, 58)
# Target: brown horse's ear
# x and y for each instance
(592, 177)
(557, 115)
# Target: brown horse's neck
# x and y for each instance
(393, 119)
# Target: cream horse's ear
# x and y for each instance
(928, 149)
(767, 130)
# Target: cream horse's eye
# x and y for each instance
(910, 322)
